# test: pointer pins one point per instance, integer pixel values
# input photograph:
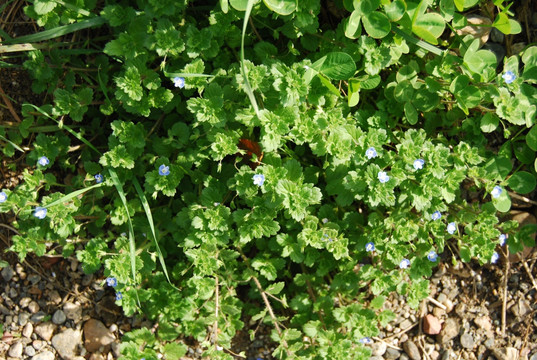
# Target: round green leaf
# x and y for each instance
(530, 56)
(411, 113)
(523, 153)
(281, 7)
(522, 182)
(489, 122)
(377, 24)
(336, 65)
(503, 203)
(499, 167)
(404, 91)
(365, 7)
(239, 5)
(352, 26)
(429, 27)
(479, 60)
(531, 138)
(354, 92)
(395, 10)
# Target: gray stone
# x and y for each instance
(73, 311)
(446, 355)
(34, 279)
(376, 358)
(15, 350)
(391, 354)
(467, 341)
(378, 348)
(4, 310)
(29, 350)
(412, 350)
(45, 355)
(7, 273)
(404, 357)
(534, 356)
(45, 330)
(59, 317)
(405, 324)
(489, 344)
(66, 343)
(23, 318)
(38, 344)
(38, 317)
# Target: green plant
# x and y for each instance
(350, 164)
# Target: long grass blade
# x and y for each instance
(247, 87)
(11, 143)
(60, 31)
(422, 44)
(186, 75)
(149, 216)
(71, 195)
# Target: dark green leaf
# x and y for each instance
(377, 24)
(522, 182)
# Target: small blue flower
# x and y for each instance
(432, 256)
(324, 220)
(502, 239)
(405, 263)
(436, 215)
(495, 257)
(163, 170)
(111, 281)
(119, 296)
(366, 340)
(40, 212)
(509, 76)
(3, 197)
(43, 161)
(383, 177)
(369, 247)
(496, 192)
(179, 82)
(371, 153)
(216, 203)
(451, 228)
(259, 179)
(418, 164)
(99, 178)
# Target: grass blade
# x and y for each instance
(247, 87)
(422, 44)
(60, 31)
(149, 216)
(12, 143)
(69, 196)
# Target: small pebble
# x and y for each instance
(28, 330)
(59, 317)
(412, 350)
(34, 279)
(392, 354)
(24, 302)
(29, 350)
(38, 317)
(23, 318)
(33, 307)
(7, 273)
(467, 341)
(378, 348)
(15, 350)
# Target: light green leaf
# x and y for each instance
(479, 60)
(239, 5)
(224, 5)
(531, 138)
(411, 113)
(282, 7)
(354, 92)
(44, 7)
(377, 24)
(429, 27)
(395, 10)
(352, 25)
(522, 182)
(336, 65)
(464, 4)
(489, 122)
(503, 203)
(365, 7)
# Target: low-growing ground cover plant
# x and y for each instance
(271, 161)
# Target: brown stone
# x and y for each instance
(431, 325)
(96, 335)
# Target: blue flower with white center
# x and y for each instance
(119, 295)
(502, 239)
(163, 170)
(40, 212)
(432, 256)
(496, 192)
(324, 220)
(43, 161)
(370, 246)
(111, 281)
(99, 178)
(495, 257)
(436, 215)
(418, 164)
(451, 228)
(259, 179)
(3, 197)
(383, 177)
(405, 263)
(366, 340)
(179, 82)
(371, 153)
(509, 77)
